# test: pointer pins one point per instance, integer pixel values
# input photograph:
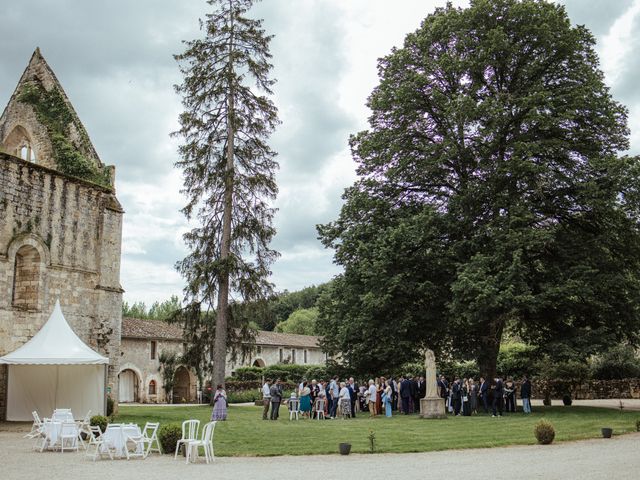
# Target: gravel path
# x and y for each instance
(592, 459)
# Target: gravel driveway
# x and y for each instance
(618, 457)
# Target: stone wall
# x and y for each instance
(72, 232)
(589, 390)
(136, 356)
(266, 355)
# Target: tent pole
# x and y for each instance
(104, 404)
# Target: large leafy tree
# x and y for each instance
(228, 170)
(492, 195)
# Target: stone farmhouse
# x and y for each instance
(144, 340)
(60, 223)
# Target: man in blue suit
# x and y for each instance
(498, 398)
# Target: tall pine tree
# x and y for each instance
(228, 170)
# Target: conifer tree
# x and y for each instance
(229, 173)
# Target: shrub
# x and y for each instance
(544, 432)
(248, 373)
(566, 400)
(317, 372)
(168, 435)
(570, 371)
(638, 425)
(109, 406)
(99, 420)
(618, 363)
(516, 359)
(244, 396)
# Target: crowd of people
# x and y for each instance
(384, 396)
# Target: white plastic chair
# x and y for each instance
(95, 440)
(189, 433)
(319, 408)
(69, 432)
(144, 441)
(205, 442)
(294, 408)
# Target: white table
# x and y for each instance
(52, 431)
(115, 435)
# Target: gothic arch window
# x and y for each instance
(19, 143)
(26, 278)
(152, 387)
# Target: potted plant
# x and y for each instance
(606, 432)
(345, 448)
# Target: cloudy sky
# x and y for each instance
(114, 59)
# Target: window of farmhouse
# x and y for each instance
(153, 349)
(152, 387)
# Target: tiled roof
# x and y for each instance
(142, 328)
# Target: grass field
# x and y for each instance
(246, 434)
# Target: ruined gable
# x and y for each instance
(60, 227)
(40, 125)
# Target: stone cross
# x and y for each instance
(430, 377)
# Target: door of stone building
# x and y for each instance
(181, 389)
(128, 386)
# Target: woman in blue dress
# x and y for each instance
(387, 396)
(305, 400)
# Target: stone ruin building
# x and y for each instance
(60, 224)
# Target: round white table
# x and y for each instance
(115, 437)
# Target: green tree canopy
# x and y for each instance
(491, 193)
(301, 321)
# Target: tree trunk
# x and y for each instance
(220, 343)
(489, 348)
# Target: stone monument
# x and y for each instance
(431, 406)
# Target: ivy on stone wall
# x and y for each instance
(53, 112)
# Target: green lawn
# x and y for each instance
(246, 434)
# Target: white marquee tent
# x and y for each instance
(55, 369)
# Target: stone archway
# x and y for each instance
(258, 362)
(182, 385)
(128, 386)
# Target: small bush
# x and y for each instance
(244, 396)
(99, 420)
(544, 432)
(169, 436)
(566, 400)
(109, 406)
(638, 425)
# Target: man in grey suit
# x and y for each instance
(276, 398)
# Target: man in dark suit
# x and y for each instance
(422, 388)
(483, 392)
(405, 394)
(498, 398)
(456, 396)
(415, 406)
(353, 395)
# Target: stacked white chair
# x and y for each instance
(206, 442)
(144, 442)
(95, 440)
(189, 433)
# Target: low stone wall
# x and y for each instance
(589, 390)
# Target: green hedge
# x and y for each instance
(292, 373)
(168, 435)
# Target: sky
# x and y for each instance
(115, 61)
